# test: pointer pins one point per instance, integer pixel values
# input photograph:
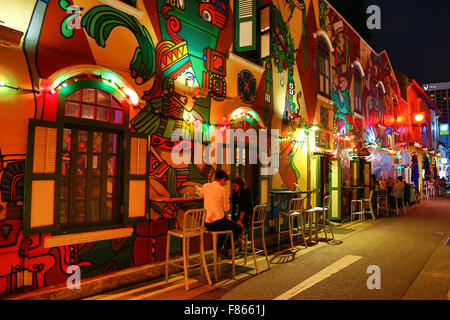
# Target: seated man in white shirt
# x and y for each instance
(217, 203)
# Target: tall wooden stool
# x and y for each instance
(400, 195)
(382, 202)
(193, 223)
(258, 222)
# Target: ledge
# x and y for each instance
(249, 64)
(75, 238)
(327, 100)
(124, 8)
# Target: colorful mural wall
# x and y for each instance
(171, 64)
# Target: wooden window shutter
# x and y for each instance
(42, 181)
(136, 176)
(245, 25)
(265, 47)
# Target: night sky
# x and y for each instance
(416, 36)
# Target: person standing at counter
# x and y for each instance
(382, 186)
(242, 206)
(397, 191)
(390, 182)
(217, 203)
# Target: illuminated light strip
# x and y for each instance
(154, 293)
(129, 93)
(358, 64)
(4, 85)
(382, 86)
(146, 287)
(226, 126)
(323, 34)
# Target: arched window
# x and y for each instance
(94, 104)
(357, 90)
(380, 99)
(323, 61)
(86, 170)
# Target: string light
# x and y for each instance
(4, 85)
(129, 93)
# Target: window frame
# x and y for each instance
(83, 84)
(268, 31)
(96, 105)
(253, 53)
(71, 225)
(237, 21)
(380, 103)
(357, 94)
(322, 57)
(96, 125)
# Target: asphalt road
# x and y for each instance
(401, 246)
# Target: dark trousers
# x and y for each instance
(222, 225)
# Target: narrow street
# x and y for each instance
(412, 253)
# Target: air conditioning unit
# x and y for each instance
(10, 37)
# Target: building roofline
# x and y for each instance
(384, 51)
(425, 95)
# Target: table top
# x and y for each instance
(291, 191)
(175, 199)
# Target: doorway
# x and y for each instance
(242, 166)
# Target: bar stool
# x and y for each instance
(317, 211)
(258, 222)
(382, 202)
(359, 211)
(216, 259)
(295, 211)
(399, 195)
(193, 223)
(369, 203)
(426, 190)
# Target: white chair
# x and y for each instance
(317, 211)
(357, 209)
(258, 222)
(193, 223)
(296, 211)
(217, 261)
(367, 203)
